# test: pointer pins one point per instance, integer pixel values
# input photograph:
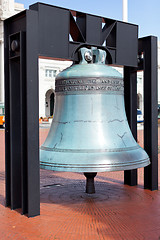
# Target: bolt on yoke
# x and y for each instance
(92, 55)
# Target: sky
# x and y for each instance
(145, 13)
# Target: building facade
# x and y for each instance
(48, 69)
(7, 8)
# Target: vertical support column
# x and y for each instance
(15, 90)
(22, 115)
(7, 119)
(125, 10)
(32, 123)
(130, 97)
(24, 185)
(15, 108)
(15, 128)
(150, 112)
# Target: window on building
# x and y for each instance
(50, 73)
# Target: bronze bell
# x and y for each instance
(89, 131)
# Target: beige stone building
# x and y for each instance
(7, 9)
(48, 69)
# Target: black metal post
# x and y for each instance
(32, 128)
(130, 96)
(15, 82)
(22, 114)
(7, 119)
(13, 119)
(148, 46)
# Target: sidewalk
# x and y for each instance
(116, 211)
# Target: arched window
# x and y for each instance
(49, 106)
(139, 101)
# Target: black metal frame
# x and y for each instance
(28, 36)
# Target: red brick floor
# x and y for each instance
(115, 211)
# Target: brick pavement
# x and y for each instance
(115, 212)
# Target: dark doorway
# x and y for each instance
(51, 104)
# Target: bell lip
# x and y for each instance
(96, 168)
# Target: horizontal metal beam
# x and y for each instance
(118, 38)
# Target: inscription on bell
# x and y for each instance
(90, 84)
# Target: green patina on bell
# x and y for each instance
(89, 131)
